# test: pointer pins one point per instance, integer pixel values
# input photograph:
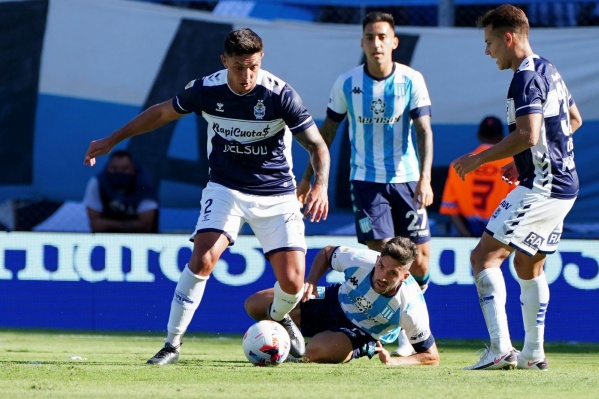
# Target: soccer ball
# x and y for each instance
(266, 343)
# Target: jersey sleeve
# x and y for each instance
(185, 101)
(420, 102)
(416, 324)
(344, 258)
(529, 93)
(295, 114)
(337, 107)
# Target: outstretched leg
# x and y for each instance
(207, 249)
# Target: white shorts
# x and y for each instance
(529, 222)
(276, 220)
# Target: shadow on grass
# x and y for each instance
(552, 347)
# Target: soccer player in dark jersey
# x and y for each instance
(252, 116)
(542, 116)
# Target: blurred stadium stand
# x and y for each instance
(460, 13)
(25, 215)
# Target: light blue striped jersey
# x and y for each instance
(378, 315)
(548, 166)
(380, 114)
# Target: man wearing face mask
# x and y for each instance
(122, 198)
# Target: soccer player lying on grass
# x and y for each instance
(355, 318)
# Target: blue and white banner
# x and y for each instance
(75, 70)
(118, 282)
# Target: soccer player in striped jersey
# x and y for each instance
(542, 117)
(355, 318)
(252, 116)
(390, 180)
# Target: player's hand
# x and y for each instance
(466, 164)
(96, 148)
(302, 190)
(509, 173)
(423, 194)
(317, 204)
(384, 355)
(310, 292)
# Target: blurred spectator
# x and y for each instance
(121, 198)
(471, 202)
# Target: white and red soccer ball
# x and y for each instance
(266, 343)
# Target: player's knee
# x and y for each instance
(251, 308)
(292, 286)
(202, 264)
(315, 353)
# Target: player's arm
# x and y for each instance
(424, 139)
(152, 118)
(328, 130)
(144, 223)
(317, 202)
(526, 135)
(320, 266)
(429, 357)
(575, 118)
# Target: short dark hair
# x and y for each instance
(243, 41)
(401, 249)
(505, 18)
(120, 154)
(490, 129)
(377, 16)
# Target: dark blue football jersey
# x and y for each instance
(547, 167)
(250, 135)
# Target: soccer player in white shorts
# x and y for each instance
(542, 117)
(277, 221)
(251, 116)
(529, 222)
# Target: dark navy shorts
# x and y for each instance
(325, 314)
(384, 210)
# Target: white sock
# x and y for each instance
(492, 297)
(187, 298)
(534, 298)
(283, 302)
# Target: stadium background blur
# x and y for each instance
(76, 69)
(24, 210)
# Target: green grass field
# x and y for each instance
(36, 364)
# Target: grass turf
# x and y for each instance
(55, 364)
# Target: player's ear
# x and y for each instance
(223, 59)
(395, 42)
(509, 38)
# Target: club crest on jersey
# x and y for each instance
(219, 107)
(259, 110)
(363, 303)
(378, 106)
